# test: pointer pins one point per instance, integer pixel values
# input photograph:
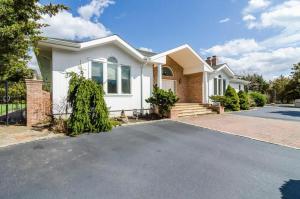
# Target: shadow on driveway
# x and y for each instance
(288, 113)
(290, 189)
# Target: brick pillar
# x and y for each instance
(38, 102)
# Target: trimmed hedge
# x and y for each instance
(259, 99)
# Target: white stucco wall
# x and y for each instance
(211, 77)
(236, 86)
(66, 61)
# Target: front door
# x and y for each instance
(168, 84)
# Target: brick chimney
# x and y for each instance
(208, 60)
(214, 60)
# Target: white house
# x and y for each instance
(128, 74)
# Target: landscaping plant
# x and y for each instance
(89, 110)
(232, 102)
(259, 99)
(244, 100)
(163, 100)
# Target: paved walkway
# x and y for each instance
(282, 132)
(10, 135)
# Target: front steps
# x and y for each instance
(189, 109)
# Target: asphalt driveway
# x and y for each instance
(274, 112)
(158, 160)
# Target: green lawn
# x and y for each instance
(11, 107)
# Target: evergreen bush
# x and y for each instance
(162, 99)
(89, 110)
(259, 99)
(232, 102)
(244, 100)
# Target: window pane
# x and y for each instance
(215, 86)
(97, 72)
(166, 71)
(112, 76)
(220, 86)
(224, 86)
(125, 79)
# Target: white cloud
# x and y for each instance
(256, 5)
(249, 18)
(146, 49)
(66, 25)
(224, 20)
(234, 47)
(94, 8)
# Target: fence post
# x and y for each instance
(6, 103)
(38, 102)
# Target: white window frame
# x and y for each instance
(105, 77)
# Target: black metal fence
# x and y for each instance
(12, 102)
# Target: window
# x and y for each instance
(97, 72)
(224, 86)
(125, 70)
(220, 86)
(112, 75)
(166, 71)
(215, 86)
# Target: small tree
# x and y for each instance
(232, 99)
(162, 99)
(89, 111)
(244, 100)
(259, 99)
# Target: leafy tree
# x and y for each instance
(232, 101)
(278, 88)
(257, 83)
(293, 88)
(244, 100)
(20, 30)
(89, 110)
(163, 99)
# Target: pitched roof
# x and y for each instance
(216, 67)
(146, 53)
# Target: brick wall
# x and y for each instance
(38, 102)
(193, 86)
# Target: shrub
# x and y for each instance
(244, 100)
(89, 110)
(232, 102)
(162, 99)
(259, 99)
(218, 98)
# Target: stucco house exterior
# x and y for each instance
(128, 74)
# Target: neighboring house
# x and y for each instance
(128, 74)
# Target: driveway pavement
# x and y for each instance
(158, 160)
(274, 112)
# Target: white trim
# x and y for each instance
(230, 72)
(68, 45)
(185, 46)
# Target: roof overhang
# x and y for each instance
(239, 81)
(186, 57)
(73, 46)
(226, 69)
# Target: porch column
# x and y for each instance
(205, 88)
(159, 76)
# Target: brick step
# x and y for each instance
(195, 114)
(195, 111)
(190, 105)
(189, 108)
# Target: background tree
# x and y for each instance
(20, 30)
(293, 88)
(279, 89)
(257, 83)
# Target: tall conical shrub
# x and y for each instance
(244, 100)
(232, 99)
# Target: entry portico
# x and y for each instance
(183, 71)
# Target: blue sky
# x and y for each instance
(261, 36)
